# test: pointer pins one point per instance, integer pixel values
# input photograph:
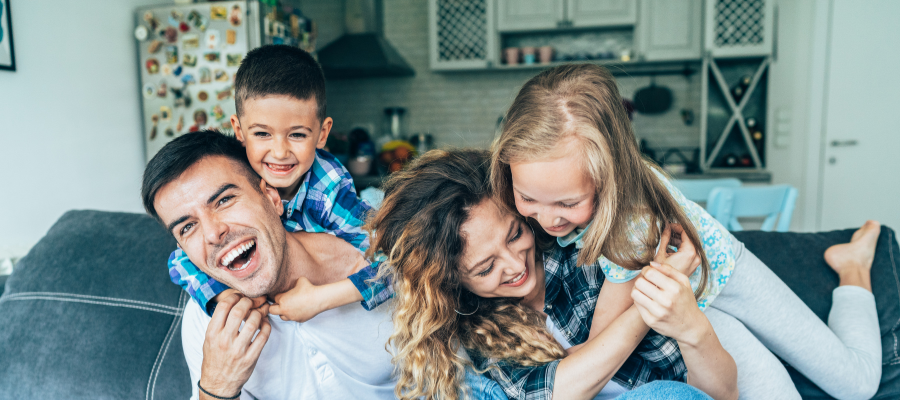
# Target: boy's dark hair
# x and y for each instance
(180, 154)
(279, 70)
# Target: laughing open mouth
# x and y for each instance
(239, 258)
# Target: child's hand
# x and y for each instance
(686, 259)
(303, 302)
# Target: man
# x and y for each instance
(226, 218)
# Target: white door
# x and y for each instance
(861, 149)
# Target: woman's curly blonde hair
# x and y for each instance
(418, 228)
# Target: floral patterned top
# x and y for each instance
(716, 241)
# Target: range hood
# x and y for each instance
(363, 52)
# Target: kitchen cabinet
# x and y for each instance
(669, 30)
(596, 13)
(462, 34)
(529, 15)
(536, 15)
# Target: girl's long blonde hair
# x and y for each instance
(418, 228)
(581, 102)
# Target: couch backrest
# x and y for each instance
(90, 313)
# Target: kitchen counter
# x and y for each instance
(745, 175)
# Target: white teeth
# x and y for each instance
(518, 278)
(226, 261)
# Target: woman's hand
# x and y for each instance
(666, 303)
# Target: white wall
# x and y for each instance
(69, 116)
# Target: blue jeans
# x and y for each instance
(483, 388)
(665, 390)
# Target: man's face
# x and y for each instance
(227, 227)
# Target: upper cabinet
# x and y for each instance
(529, 15)
(740, 28)
(535, 15)
(595, 13)
(462, 34)
(669, 30)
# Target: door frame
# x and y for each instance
(818, 95)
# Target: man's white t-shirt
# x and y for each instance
(339, 354)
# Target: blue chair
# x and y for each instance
(697, 190)
(774, 202)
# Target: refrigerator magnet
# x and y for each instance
(212, 39)
(180, 125)
(233, 60)
(154, 119)
(187, 79)
(171, 34)
(202, 96)
(199, 120)
(189, 60)
(211, 56)
(218, 12)
(154, 46)
(230, 36)
(162, 90)
(223, 94)
(172, 54)
(152, 66)
(177, 70)
(165, 113)
(149, 90)
(197, 20)
(141, 33)
(166, 69)
(183, 26)
(205, 76)
(151, 20)
(153, 131)
(217, 112)
(236, 16)
(190, 41)
(221, 75)
(226, 125)
(170, 132)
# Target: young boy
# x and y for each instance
(281, 121)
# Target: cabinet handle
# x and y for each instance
(843, 143)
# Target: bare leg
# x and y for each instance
(853, 261)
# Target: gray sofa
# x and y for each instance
(90, 313)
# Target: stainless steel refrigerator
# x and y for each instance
(188, 57)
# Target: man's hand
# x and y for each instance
(230, 351)
(664, 298)
(257, 301)
(305, 300)
(686, 259)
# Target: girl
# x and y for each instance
(567, 158)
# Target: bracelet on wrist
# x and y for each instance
(235, 397)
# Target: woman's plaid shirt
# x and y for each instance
(569, 302)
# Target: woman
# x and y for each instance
(468, 274)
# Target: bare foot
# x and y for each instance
(853, 261)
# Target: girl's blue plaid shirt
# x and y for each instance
(325, 202)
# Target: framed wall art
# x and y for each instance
(7, 55)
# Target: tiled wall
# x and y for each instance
(462, 108)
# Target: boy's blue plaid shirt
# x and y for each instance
(325, 202)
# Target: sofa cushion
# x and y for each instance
(90, 313)
(797, 258)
